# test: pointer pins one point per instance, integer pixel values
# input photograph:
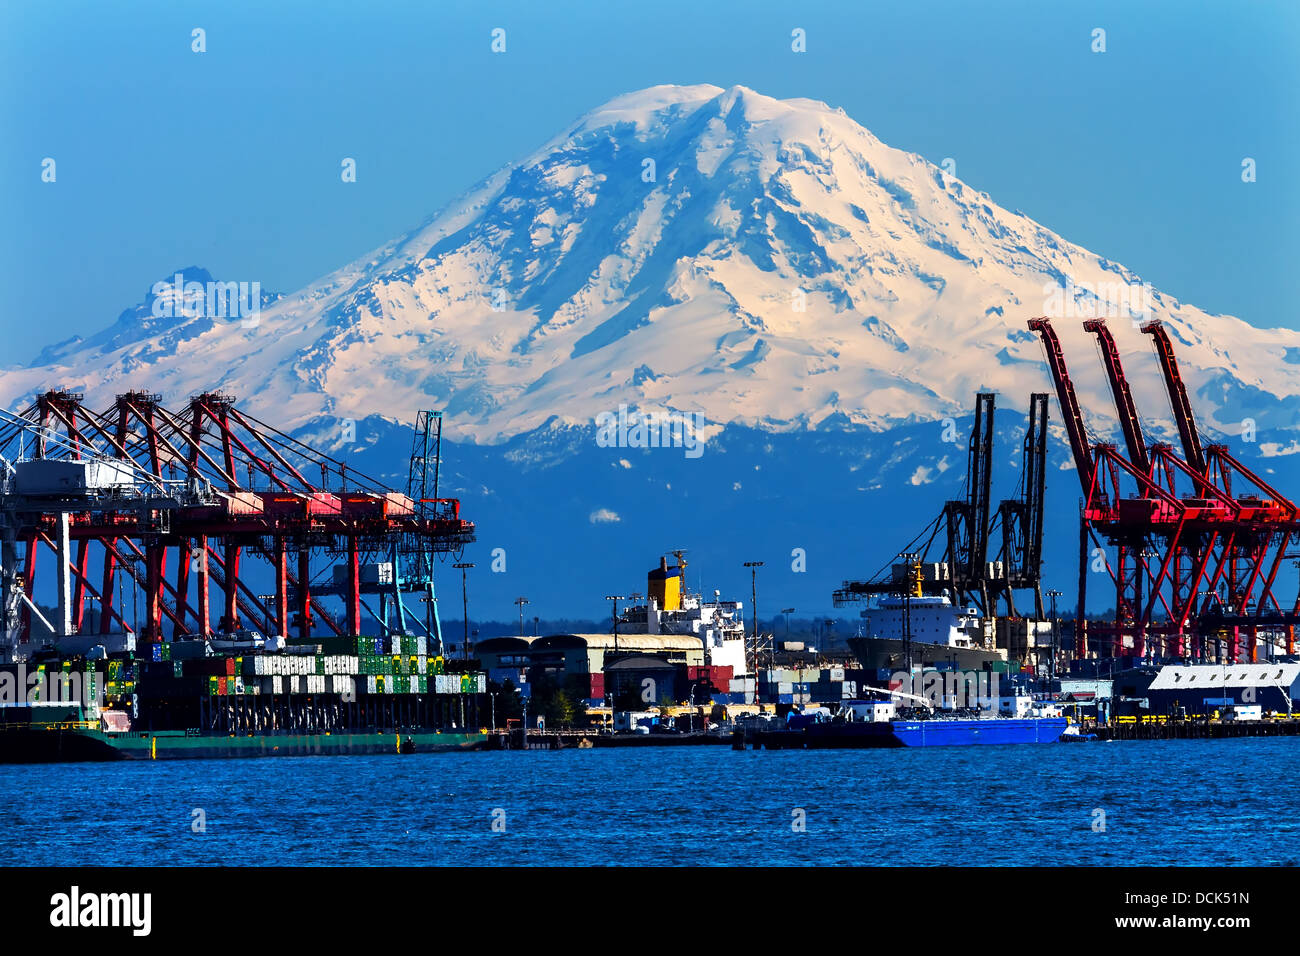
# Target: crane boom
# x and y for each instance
(1182, 407)
(1124, 407)
(1069, 402)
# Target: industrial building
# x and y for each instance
(1201, 689)
(580, 660)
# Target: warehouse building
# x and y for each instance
(581, 659)
(1205, 688)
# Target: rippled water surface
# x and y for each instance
(1174, 802)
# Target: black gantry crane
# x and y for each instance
(1021, 518)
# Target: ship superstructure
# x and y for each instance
(672, 608)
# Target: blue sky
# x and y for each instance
(229, 159)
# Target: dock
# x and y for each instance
(515, 739)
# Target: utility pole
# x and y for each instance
(787, 611)
(464, 593)
(613, 613)
(753, 586)
(1053, 594)
(521, 601)
(909, 559)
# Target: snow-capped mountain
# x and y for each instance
(716, 251)
(767, 265)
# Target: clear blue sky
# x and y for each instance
(230, 159)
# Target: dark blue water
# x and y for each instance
(1175, 802)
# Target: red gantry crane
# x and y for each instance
(1193, 560)
(172, 502)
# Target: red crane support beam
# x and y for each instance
(231, 570)
(1193, 452)
(83, 582)
(79, 587)
(281, 562)
(110, 576)
(271, 449)
(29, 582)
(304, 595)
(194, 440)
(184, 557)
(354, 589)
(1124, 407)
(128, 567)
(1069, 403)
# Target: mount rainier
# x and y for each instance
(818, 301)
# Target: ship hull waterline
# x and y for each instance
(935, 733)
(40, 745)
(875, 653)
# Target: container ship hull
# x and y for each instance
(51, 745)
(204, 699)
(876, 653)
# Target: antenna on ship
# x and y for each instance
(677, 554)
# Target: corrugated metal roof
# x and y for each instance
(657, 642)
(1210, 676)
(626, 642)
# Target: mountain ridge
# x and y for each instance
(775, 266)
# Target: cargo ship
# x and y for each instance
(941, 633)
(909, 720)
(673, 608)
(191, 700)
(937, 732)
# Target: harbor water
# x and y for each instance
(1215, 803)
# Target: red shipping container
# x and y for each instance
(719, 676)
(597, 687)
(230, 667)
(221, 687)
